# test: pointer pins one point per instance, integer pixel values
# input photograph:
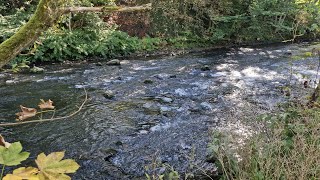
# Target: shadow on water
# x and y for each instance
(162, 110)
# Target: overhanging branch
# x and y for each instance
(107, 9)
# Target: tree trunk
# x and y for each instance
(45, 15)
(48, 11)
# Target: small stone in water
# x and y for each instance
(108, 94)
(205, 68)
(109, 153)
(206, 106)
(36, 69)
(165, 99)
(98, 64)
(143, 132)
(113, 62)
(181, 92)
(165, 109)
(147, 81)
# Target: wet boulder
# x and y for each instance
(114, 62)
(108, 94)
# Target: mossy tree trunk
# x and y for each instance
(46, 13)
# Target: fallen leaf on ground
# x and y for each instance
(29, 173)
(52, 167)
(4, 143)
(46, 104)
(26, 113)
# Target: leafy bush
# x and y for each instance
(237, 21)
(77, 44)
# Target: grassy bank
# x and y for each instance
(288, 148)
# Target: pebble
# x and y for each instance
(205, 68)
(181, 92)
(165, 99)
(147, 81)
(108, 94)
(206, 106)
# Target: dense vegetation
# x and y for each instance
(177, 23)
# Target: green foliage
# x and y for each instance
(237, 21)
(9, 24)
(77, 44)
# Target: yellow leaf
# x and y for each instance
(52, 167)
(46, 104)
(26, 113)
(23, 173)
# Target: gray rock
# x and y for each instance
(36, 70)
(181, 92)
(114, 62)
(206, 106)
(147, 81)
(161, 76)
(98, 64)
(108, 94)
(205, 68)
(165, 99)
(165, 109)
(143, 132)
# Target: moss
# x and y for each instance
(45, 15)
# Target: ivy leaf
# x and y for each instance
(52, 167)
(23, 173)
(26, 113)
(12, 156)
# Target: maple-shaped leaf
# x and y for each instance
(4, 143)
(46, 104)
(29, 173)
(52, 167)
(12, 156)
(26, 113)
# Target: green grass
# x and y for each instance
(289, 148)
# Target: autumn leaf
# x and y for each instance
(29, 173)
(52, 167)
(4, 143)
(46, 104)
(26, 113)
(12, 156)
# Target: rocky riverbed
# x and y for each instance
(154, 111)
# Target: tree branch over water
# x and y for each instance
(45, 16)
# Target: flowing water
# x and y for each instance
(164, 110)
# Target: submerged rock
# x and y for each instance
(205, 68)
(148, 81)
(98, 64)
(108, 94)
(206, 106)
(165, 99)
(109, 153)
(36, 70)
